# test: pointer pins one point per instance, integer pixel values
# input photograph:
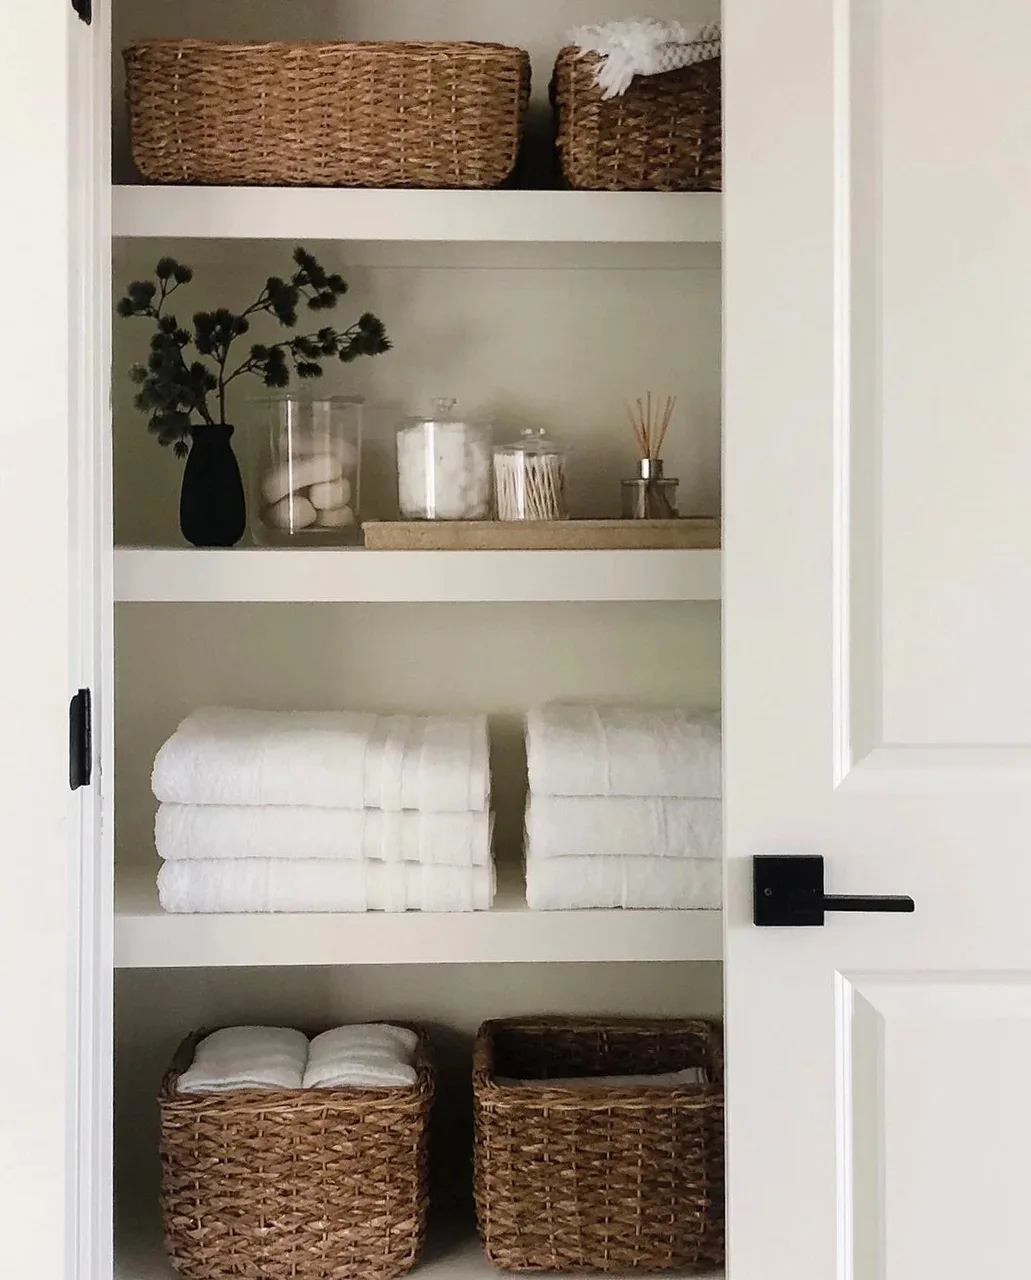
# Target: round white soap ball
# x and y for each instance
(292, 513)
(335, 517)
(329, 494)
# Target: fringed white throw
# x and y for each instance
(644, 47)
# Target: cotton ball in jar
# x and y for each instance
(440, 475)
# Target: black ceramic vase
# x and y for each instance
(212, 507)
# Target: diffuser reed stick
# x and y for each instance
(650, 425)
(650, 496)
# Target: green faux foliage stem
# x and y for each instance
(172, 390)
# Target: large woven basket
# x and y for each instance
(598, 1178)
(340, 114)
(315, 1184)
(663, 134)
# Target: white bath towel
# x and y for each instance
(318, 885)
(247, 1058)
(363, 1057)
(585, 827)
(624, 751)
(192, 831)
(568, 884)
(689, 1076)
(327, 759)
(644, 47)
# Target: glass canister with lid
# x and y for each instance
(444, 466)
(530, 477)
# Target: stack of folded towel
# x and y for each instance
(324, 811)
(372, 1056)
(625, 808)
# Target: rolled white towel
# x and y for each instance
(247, 1058)
(624, 751)
(568, 884)
(326, 759)
(249, 885)
(638, 827)
(363, 1057)
(199, 831)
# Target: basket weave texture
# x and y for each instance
(663, 134)
(316, 114)
(315, 1184)
(598, 1178)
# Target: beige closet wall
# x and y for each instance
(536, 25)
(498, 658)
(154, 1009)
(539, 335)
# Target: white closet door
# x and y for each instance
(878, 615)
(54, 966)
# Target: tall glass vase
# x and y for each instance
(308, 470)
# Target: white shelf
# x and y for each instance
(147, 574)
(318, 213)
(450, 1255)
(148, 938)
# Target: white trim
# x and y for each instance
(148, 938)
(148, 574)
(91, 652)
(306, 213)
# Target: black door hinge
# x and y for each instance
(80, 740)
(84, 8)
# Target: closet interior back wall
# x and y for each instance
(538, 336)
(497, 658)
(155, 1009)
(539, 26)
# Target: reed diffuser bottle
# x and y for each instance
(651, 495)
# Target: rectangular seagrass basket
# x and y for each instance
(315, 1184)
(663, 134)
(600, 1178)
(362, 114)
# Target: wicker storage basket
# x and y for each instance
(341, 114)
(598, 1178)
(663, 134)
(315, 1184)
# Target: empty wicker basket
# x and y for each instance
(316, 1184)
(598, 1178)
(326, 114)
(663, 134)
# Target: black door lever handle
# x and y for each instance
(788, 892)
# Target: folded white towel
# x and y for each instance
(317, 885)
(326, 759)
(611, 827)
(362, 1057)
(689, 1075)
(192, 831)
(567, 884)
(624, 751)
(247, 1058)
(645, 47)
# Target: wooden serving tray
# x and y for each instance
(559, 535)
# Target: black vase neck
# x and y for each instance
(212, 433)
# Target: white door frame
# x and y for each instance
(56, 922)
